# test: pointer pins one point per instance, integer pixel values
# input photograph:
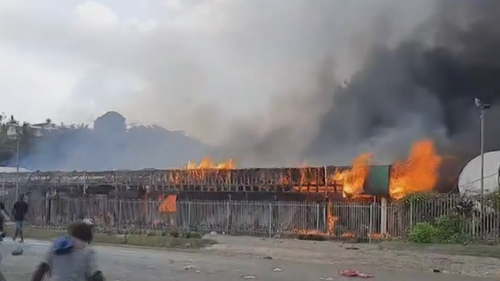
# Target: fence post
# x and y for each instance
(370, 227)
(325, 218)
(228, 216)
(473, 224)
(317, 217)
(383, 217)
(270, 219)
(411, 213)
(120, 213)
(189, 216)
(152, 212)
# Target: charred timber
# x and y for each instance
(277, 180)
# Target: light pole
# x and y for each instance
(482, 106)
(14, 133)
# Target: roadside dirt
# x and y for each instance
(378, 255)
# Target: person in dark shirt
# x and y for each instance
(19, 212)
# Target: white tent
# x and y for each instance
(469, 181)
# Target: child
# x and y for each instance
(71, 257)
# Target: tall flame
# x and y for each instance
(207, 163)
(419, 173)
(353, 179)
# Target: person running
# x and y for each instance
(3, 218)
(71, 258)
(19, 212)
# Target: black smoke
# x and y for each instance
(422, 87)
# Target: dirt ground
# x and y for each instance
(455, 259)
(132, 263)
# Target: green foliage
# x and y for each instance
(423, 232)
(192, 235)
(493, 200)
(174, 233)
(8, 146)
(446, 229)
(419, 198)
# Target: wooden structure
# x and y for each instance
(308, 180)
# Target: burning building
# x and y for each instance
(209, 180)
(164, 193)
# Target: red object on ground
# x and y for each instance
(354, 273)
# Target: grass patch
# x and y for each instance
(191, 241)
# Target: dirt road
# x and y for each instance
(142, 264)
(353, 255)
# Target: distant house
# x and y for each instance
(37, 129)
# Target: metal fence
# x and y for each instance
(341, 220)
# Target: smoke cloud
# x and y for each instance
(421, 86)
(281, 82)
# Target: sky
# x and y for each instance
(191, 65)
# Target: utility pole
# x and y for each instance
(482, 111)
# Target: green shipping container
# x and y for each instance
(377, 182)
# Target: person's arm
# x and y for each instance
(43, 267)
(95, 274)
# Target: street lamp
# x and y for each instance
(482, 106)
(14, 132)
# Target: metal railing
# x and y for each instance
(341, 220)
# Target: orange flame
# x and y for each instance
(207, 163)
(168, 204)
(353, 179)
(419, 173)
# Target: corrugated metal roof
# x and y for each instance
(13, 170)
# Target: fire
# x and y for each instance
(168, 204)
(353, 179)
(419, 173)
(207, 163)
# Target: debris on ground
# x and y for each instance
(352, 248)
(327, 278)
(17, 251)
(267, 258)
(249, 277)
(190, 267)
(277, 269)
(354, 273)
